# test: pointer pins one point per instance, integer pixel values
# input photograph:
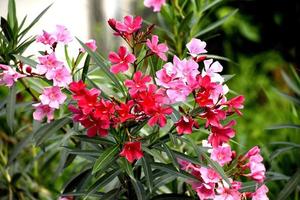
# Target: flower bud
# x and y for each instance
(28, 69)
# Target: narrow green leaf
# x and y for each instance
(139, 189)
(10, 108)
(283, 126)
(76, 180)
(112, 195)
(210, 5)
(85, 68)
(171, 156)
(67, 56)
(171, 197)
(8, 33)
(94, 140)
(288, 97)
(171, 170)
(40, 135)
(103, 181)
(25, 60)
(19, 147)
(228, 77)
(290, 186)
(286, 143)
(216, 57)
(34, 21)
(215, 24)
(290, 83)
(12, 14)
(105, 158)
(148, 173)
(280, 151)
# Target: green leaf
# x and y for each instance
(139, 189)
(283, 126)
(103, 66)
(210, 5)
(12, 15)
(85, 68)
(112, 195)
(48, 129)
(10, 108)
(290, 83)
(67, 56)
(76, 180)
(171, 156)
(8, 33)
(288, 97)
(105, 158)
(34, 21)
(280, 151)
(25, 60)
(148, 172)
(103, 181)
(215, 24)
(171, 170)
(216, 57)
(19, 147)
(94, 140)
(171, 197)
(290, 186)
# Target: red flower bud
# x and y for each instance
(112, 24)
(28, 69)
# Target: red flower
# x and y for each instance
(121, 60)
(130, 24)
(124, 111)
(158, 116)
(185, 125)
(203, 97)
(235, 104)
(213, 116)
(221, 134)
(132, 151)
(138, 83)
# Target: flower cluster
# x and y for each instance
(52, 69)
(151, 101)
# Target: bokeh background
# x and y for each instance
(261, 40)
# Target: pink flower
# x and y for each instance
(46, 38)
(132, 151)
(257, 171)
(53, 97)
(204, 191)
(156, 4)
(261, 193)
(48, 63)
(221, 134)
(212, 70)
(42, 111)
(121, 60)
(62, 34)
(158, 49)
(138, 83)
(61, 76)
(196, 46)
(130, 24)
(229, 193)
(209, 175)
(221, 154)
(185, 125)
(91, 44)
(9, 76)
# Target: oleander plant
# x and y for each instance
(153, 120)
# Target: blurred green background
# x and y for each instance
(261, 42)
